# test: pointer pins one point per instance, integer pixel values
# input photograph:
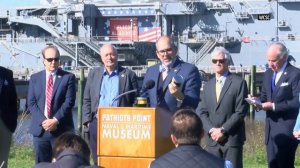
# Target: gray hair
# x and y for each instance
(283, 51)
(218, 50)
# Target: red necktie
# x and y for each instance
(49, 95)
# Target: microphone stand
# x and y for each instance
(120, 95)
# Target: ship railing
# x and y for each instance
(139, 70)
(235, 69)
(287, 37)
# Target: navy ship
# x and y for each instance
(80, 27)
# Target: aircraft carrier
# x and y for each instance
(80, 27)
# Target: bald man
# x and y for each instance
(102, 86)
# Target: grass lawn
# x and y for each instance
(21, 156)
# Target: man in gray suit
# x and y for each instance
(102, 86)
(222, 110)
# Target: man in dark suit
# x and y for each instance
(102, 86)
(186, 134)
(8, 113)
(182, 92)
(51, 97)
(222, 110)
(280, 100)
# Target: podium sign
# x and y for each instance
(132, 136)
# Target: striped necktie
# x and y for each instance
(49, 90)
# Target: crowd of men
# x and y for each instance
(218, 115)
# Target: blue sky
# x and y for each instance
(14, 3)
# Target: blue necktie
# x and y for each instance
(273, 81)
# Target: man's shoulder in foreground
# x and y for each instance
(188, 156)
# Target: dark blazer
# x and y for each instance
(63, 100)
(67, 159)
(8, 99)
(188, 156)
(280, 123)
(190, 87)
(127, 81)
(228, 112)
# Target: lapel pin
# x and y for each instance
(122, 75)
(285, 73)
(59, 76)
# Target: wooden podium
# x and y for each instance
(132, 136)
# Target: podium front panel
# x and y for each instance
(124, 162)
(126, 132)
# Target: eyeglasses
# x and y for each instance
(221, 61)
(52, 59)
(168, 51)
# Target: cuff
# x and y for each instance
(273, 106)
(56, 120)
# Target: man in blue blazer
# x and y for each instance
(103, 85)
(8, 112)
(183, 91)
(50, 106)
(279, 97)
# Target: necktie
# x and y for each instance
(218, 88)
(273, 81)
(49, 90)
(164, 71)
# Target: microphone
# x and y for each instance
(149, 85)
(177, 80)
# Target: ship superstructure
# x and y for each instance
(79, 28)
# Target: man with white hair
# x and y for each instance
(222, 110)
(280, 99)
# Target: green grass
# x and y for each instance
(21, 156)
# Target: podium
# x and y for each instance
(132, 136)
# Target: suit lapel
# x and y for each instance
(43, 86)
(1, 80)
(58, 79)
(173, 71)
(98, 82)
(122, 81)
(212, 87)
(225, 88)
(282, 79)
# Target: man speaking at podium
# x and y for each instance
(177, 83)
(102, 86)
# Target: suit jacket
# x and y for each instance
(127, 81)
(188, 156)
(280, 123)
(8, 99)
(228, 112)
(63, 100)
(190, 87)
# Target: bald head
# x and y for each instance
(109, 57)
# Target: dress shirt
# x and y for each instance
(109, 89)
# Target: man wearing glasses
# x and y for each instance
(222, 110)
(51, 97)
(177, 84)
